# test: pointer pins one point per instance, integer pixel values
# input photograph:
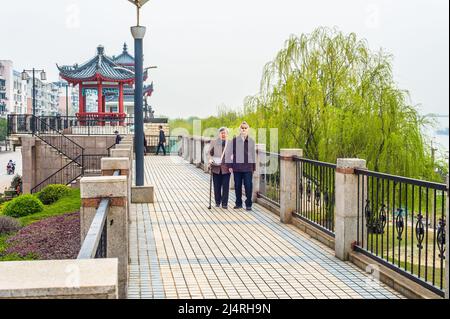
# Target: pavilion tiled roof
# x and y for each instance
(125, 58)
(101, 66)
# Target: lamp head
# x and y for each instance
(25, 76)
(139, 3)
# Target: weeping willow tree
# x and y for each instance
(330, 95)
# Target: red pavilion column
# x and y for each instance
(121, 110)
(100, 102)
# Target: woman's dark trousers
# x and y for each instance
(221, 188)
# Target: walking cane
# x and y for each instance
(210, 189)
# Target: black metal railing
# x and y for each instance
(401, 223)
(95, 243)
(92, 164)
(66, 175)
(23, 124)
(202, 148)
(315, 185)
(108, 150)
(269, 186)
(58, 141)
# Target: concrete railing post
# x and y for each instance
(346, 213)
(206, 150)
(447, 260)
(198, 152)
(111, 164)
(123, 152)
(288, 180)
(260, 164)
(93, 190)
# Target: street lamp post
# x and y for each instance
(138, 33)
(25, 77)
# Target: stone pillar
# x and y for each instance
(111, 164)
(260, 162)
(126, 145)
(125, 152)
(198, 152)
(288, 180)
(186, 148)
(121, 152)
(93, 190)
(447, 260)
(346, 209)
(28, 164)
(128, 139)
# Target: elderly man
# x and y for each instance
(218, 162)
(243, 165)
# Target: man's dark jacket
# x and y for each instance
(162, 137)
(244, 154)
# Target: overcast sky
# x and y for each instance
(211, 52)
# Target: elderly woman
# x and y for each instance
(221, 172)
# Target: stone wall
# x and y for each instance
(39, 160)
(59, 279)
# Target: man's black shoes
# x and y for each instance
(237, 207)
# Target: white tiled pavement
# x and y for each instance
(180, 249)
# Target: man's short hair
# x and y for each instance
(160, 127)
(223, 129)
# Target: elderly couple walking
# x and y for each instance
(237, 157)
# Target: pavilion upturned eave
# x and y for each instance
(98, 77)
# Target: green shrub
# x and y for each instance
(8, 225)
(52, 193)
(23, 206)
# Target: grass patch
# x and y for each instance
(68, 204)
(12, 257)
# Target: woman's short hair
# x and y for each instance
(245, 123)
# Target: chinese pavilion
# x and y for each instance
(112, 78)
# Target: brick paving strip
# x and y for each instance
(180, 249)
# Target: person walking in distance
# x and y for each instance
(220, 168)
(162, 141)
(243, 165)
(118, 137)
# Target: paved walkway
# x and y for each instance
(180, 249)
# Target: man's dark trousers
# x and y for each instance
(245, 178)
(221, 182)
(159, 147)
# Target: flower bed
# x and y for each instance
(48, 239)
